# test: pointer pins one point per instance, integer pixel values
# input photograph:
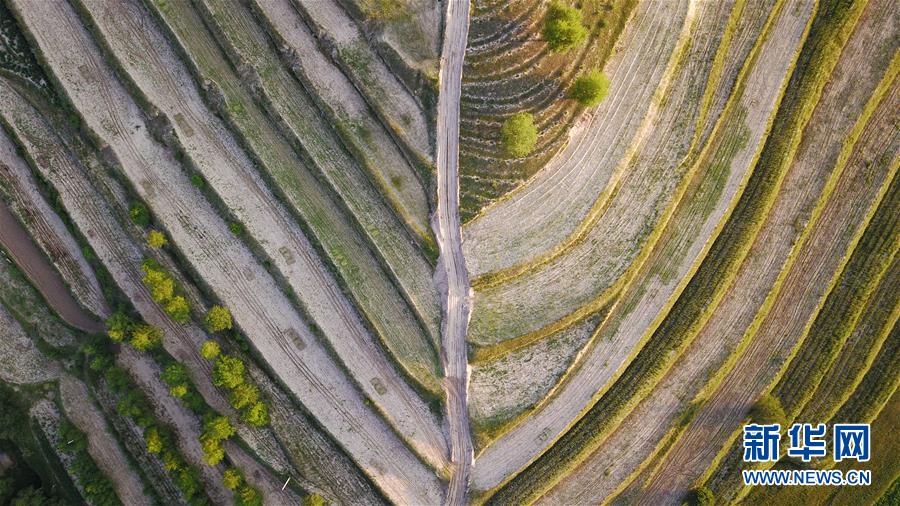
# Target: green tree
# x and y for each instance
(179, 309)
(145, 337)
(117, 326)
(162, 287)
(154, 440)
(563, 28)
(519, 135)
(244, 395)
(213, 451)
(257, 415)
(156, 239)
(248, 496)
(590, 89)
(174, 374)
(232, 478)
(139, 214)
(218, 319)
(188, 481)
(228, 372)
(218, 427)
(179, 391)
(768, 410)
(210, 349)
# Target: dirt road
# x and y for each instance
(451, 271)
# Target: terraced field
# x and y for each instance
(420, 252)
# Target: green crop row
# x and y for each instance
(843, 308)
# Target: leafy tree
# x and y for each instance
(590, 89)
(244, 395)
(228, 372)
(179, 391)
(218, 427)
(257, 415)
(768, 410)
(156, 239)
(248, 496)
(171, 460)
(179, 309)
(154, 440)
(210, 349)
(117, 326)
(213, 452)
(563, 28)
(139, 214)
(188, 482)
(162, 287)
(218, 319)
(232, 478)
(174, 374)
(145, 337)
(519, 135)
(314, 500)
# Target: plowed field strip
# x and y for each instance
(634, 441)
(709, 198)
(144, 54)
(369, 286)
(257, 304)
(291, 105)
(565, 189)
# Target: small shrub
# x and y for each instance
(210, 349)
(519, 135)
(590, 89)
(197, 180)
(236, 228)
(156, 239)
(139, 214)
(218, 319)
(563, 28)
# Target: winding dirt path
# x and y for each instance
(452, 277)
